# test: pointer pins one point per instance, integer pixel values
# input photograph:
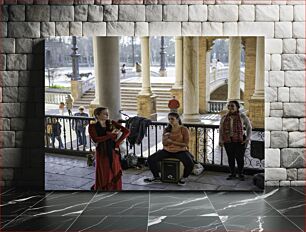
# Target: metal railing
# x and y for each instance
(205, 146)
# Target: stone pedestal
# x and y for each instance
(146, 106)
(178, 93)
(76, 89)
(257, 113)
(163, 73)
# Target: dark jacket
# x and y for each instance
(138, 129)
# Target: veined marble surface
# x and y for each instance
(280, 209)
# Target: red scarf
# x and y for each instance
(237, 130)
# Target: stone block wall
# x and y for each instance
(25, 23)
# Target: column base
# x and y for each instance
(76, 89)
(257, 113)
(192, 118)
(146, 106)
(178, 93)
(163, 73)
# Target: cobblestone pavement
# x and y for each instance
(72, 173)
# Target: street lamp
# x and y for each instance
(75, 60)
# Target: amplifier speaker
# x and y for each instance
(171, 170)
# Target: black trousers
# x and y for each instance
(235, 151)
(183, 156)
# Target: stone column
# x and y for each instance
(162, 70)
(191, 79)
(204, 57)
(76, 85)
(107, 75)
(250, 69)
(177, 88)
(256, 111)
(234, 69)
(146, 101)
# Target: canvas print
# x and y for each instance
(154, 113)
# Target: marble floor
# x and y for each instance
(275, 210)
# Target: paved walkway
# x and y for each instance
(72, 173)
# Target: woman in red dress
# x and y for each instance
(108, 168)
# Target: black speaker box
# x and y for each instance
(171, 170)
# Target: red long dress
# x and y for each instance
(107, 179)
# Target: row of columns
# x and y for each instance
(191, 55)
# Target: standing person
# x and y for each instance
(175, 145)
(69, 103)
(61, 108)
(231, 136)
(80, 126)
(56, 133)
(173, 105)
(108, 168)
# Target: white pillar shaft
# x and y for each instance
(191, 79)
(234, 68)
(260, 71)
(178, 62)
(107, 74)
(96, 53)
(207, 76)
(145, 69)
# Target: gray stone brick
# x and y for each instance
(283, 30)
(9, 78)
(284, 183)
(271, 183)
(5, 124)
(302, 124)
(18, 123)
(230, 29)
(292, 174)
(276, 62)
(11, 110)
(298, 30)
(103, 2)
(141, 29)
(270, 94)
(290, 124)
(7, 45)
(41, 2)
(267, 13)
(191, 28)
(293, 61)
(62, 29)
(4, 15)
(25, 94)
(131, 13)
(256, 28)
(62, 13)
(130, 2)
(110, 12)
(272, 158)
(294, 110)
(286, 13)
(211, 28)
(174, 2)
(267, 139)
(197, 13)
(24, 29)
(147, 2)
(39, 13)
(299, 13)
(246, 13)
(267, 109)
(296, 139)
(297, 183)
(79, 2)
(276, 113)
(154, 13)
(95, 13)
(222, 13)
(275, 174)
(276, 78)
(16, 62)
(283, 94)
(295, 78)
(17, 13)
(174, 13)
(300, 47)
(267, 61)
(3, 29)
(2, 62)
(189, 2)
(12, 157)
(164, 28)
(35, 62)
(47, 29)
(289, 46)
(273, 46)
(95, 28)
(0, 94)
(80, 12)
(23, 45)
(61, 2)
(276, 106)
(76, 28)
(297, 94)
(301, 173)
(9, 94)
(279, 139)
(273, 123)
(293, 157)
(120, 28)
